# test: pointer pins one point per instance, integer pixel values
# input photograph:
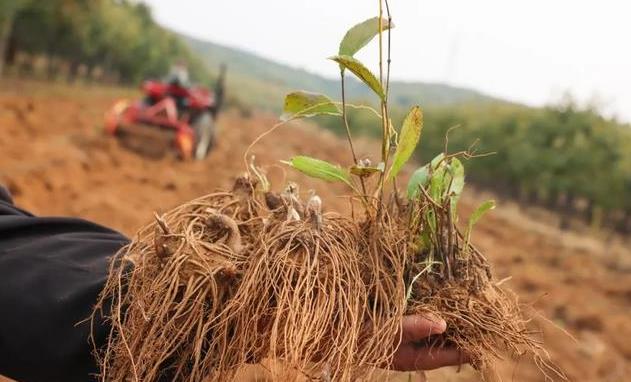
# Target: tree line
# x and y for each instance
(117, 40)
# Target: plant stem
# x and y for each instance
(344, 117)
(385, 144)
(387, 87)
(261, 136)
(388, 61)
(384, 119)
(348, 135)
(380, 43)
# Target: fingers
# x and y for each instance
(410, 357)
(416, 328)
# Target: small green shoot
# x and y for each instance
(476, 215)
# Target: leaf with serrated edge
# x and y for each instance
(361, 34)
(408, 139)
(320, 169)
(303, 104)
(362, 72)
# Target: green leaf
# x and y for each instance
(476, 215)
(320, 169)
(438, 182)
(419, 178)
(301, 104)
(479, 212)
(437, 160)
(358, 69)
(408, 139)
(424, 175)
(361, 34)
(456, 170)
(446, 180)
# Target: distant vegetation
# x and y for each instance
(99, 39)
(564, 157)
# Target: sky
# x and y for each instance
(533, 52)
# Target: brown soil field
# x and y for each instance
(56, 160)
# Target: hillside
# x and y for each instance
(268, 81)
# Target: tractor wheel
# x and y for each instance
(204, 128)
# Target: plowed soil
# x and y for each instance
(56, 160)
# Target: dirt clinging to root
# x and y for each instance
(243, 276)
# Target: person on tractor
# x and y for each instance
(178, 80)
(51, 272)
(178, 75)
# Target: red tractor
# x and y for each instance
(171, 113)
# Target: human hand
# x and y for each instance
(413, 354)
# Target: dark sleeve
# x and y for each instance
(51, 272)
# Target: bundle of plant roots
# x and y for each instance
(252, 276)
(235, 278)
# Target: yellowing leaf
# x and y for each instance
(360, 35)
(320, 169)
(365, 171)
(408, 139)
(358, 69)
(301, 104)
